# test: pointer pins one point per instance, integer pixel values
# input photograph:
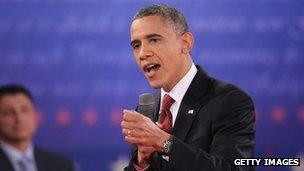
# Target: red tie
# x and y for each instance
(165, 114)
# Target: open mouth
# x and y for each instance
(149, 68)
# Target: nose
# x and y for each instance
(145, 52)
(18, 117)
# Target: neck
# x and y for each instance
(183, 71)
(19, 145)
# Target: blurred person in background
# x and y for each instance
(18, 125)
(201, 123)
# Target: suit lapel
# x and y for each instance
(157, 106)
(188, 110)
(40, 160)
(5, 163)
(191, 103)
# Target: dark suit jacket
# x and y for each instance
(221, 128)
(46, 161)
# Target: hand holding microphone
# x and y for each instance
(139, 129)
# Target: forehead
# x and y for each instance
(150, 25)
(12, 99)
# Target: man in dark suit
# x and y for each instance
(200, 123)
(18, 124)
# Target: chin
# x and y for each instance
(155, 85)
(23, 135)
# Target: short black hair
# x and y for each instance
(13, 89)
(170, 14)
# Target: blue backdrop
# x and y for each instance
(74, 55)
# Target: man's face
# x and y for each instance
(158, 52)
(18, 120)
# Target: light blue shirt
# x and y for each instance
(16, 156)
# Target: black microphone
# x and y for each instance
(146, 105)
(147, 108)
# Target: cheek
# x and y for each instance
(2, 126)
(7, 127)
(7, 122)
(137, 61)
(170, 61)
(30, 119)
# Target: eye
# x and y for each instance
(7, 113)
(136, 46)
(154, 40)
(25, 109)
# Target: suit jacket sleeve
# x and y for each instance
(232, 129)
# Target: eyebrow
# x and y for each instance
(149, 36)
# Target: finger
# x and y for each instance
(138, 141)
(132, 132)
(132, 125)
(135, 140)
(129, 125)
(143, 129)
(126, 132)
(159, 125)
(131, 115)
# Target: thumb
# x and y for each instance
(159, 125)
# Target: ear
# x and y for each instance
(37, 116)
(188, 41)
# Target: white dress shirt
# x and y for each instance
(178, 91)
(16, 156)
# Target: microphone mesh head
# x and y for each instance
(146, 99)
(146, 105)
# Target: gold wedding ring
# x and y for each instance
(129, 132)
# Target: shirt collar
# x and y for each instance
(15, 154)
(179, 90)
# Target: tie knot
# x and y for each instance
(22, 163)
(167, 102)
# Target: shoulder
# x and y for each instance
(4, 161)
(50, 154)
(212, 87)
(225, 99)
(231, 102)
(227, 91)
(53, 158)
